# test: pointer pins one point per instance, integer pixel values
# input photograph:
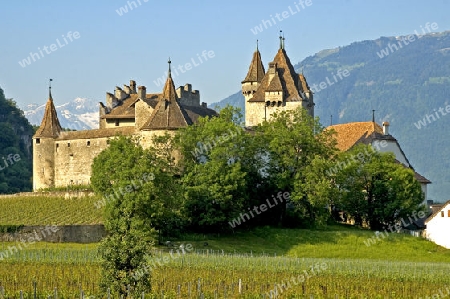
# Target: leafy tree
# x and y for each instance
(137, 189)
(375, 189)
(213, 177)
(296, 147)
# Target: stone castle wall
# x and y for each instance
(68, 162)
(43, 163)
(256, 111)
(73, 160)
(187, 96)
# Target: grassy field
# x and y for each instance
(246, 264)
(397, 267)
(46, 210)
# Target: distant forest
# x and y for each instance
(15, 148)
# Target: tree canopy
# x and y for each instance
(15, 148)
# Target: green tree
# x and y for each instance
(375, 189)
(136, 188)
(213, 177)
(297, 146)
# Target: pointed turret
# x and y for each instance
(254, 77)
(168, 113)
(44, 146)
(50, 126)
(256, 70)
(280, 88)
(169, 92)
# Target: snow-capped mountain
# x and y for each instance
(79, 114)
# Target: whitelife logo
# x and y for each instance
(33, 57)
(265, 24)
(263, 207)
(391, 48)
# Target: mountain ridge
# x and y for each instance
(78, 114)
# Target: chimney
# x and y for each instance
(386, 128)
(111, 101)
(133, 86)
(142, 91)
(127, 89)
(119, 93)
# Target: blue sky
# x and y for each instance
(113, 47)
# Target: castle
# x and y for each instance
(63, 158)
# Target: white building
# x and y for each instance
(438, 226)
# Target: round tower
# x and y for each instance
(44, 147)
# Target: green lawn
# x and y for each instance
(337, 241)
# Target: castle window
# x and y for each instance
(117, 122)
(442, 213)
(68, 144)
(57, 146)
(448, 213)
(38, 140)
(71, 154)
(88, 143)
(107, 141)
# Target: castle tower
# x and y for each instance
(253, 79)
(281, 88)
(44, 147)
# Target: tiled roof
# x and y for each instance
(167, 115)
(194, 112)
(421, 178)
(152, 99)
(173, 115)
(351, 133)
(437, 211)
(125, 109)
(97, 133)
(169, 92)
(256, 70)
(50, 126)
(288, 77)
(275, 83)
(303, 83)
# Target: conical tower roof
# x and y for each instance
(289, 79)
(169, 92)
(256, 70)
(168, 113)
(50, 126)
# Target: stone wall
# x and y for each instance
(187, 96)
(73, 160)
(256, 111)
(66, 194)
(57, 234)
(43, 163)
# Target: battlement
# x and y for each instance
(188, 96)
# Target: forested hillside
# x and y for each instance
(15, 148)
(404, 81)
